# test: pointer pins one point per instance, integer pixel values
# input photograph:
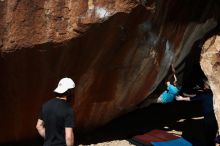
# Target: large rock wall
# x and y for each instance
(210, 63)
(28, 23)
(116, 51)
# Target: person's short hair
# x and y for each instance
(68, 92)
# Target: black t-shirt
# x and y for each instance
(206, 97)
(57, 115)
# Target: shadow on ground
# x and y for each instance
(177, 116)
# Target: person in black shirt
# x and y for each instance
(205, 96)
(56, 119)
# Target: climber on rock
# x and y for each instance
(169, 94)
(171, 91)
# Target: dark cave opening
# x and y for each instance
(192, 73)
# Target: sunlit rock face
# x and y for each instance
(210, 63)
(28, 23)
(116, 51)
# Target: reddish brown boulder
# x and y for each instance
(116, 51)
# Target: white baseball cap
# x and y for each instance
(64, 84)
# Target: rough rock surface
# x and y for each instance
(116, 51)
(210, 63)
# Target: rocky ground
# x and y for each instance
(113, 143)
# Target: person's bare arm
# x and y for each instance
(189, 95)
(174, 74)
(181, 98)
(173, 68)
(40, 127)
(175, 78)
(69, 135)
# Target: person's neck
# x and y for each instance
(63, 98)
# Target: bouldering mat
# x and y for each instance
(158, 138)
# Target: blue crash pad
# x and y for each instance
(177, 142)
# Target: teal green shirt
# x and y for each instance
(169, 95)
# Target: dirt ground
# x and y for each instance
(113, 143)
(180, 118)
